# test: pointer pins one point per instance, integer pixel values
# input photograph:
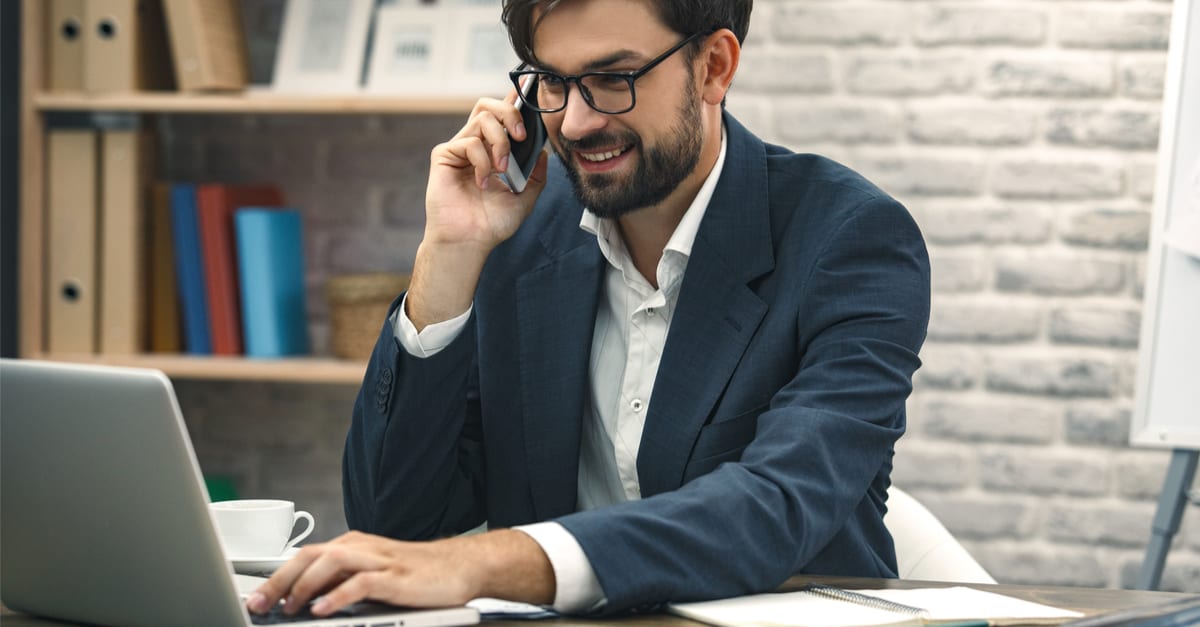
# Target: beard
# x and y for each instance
(663, 166)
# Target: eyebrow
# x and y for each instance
(602, 62)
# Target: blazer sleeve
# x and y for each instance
(803, 483)
(413, 464)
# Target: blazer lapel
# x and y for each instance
(556, 312)
(716, 316)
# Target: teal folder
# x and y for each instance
(270, 250)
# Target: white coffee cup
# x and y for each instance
(258, 527)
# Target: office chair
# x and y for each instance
(924, 548)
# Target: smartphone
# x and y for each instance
(523, 155)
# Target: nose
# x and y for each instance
(579, 119)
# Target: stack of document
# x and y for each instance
(823, 606)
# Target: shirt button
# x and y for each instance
(649, 311)
(636, 404)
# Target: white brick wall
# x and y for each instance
(1021, 134)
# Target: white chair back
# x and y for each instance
(924, 548)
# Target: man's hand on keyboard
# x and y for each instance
(503, 564)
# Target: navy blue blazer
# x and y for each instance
(769, 435)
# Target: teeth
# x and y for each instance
(603, 156)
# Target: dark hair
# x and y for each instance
(682, 16)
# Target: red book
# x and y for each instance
(216, 204)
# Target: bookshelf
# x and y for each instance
(36, 103)
(251, 102)
(292, 370)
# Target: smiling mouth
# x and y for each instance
(600, 157)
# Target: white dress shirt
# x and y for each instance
(632, 320)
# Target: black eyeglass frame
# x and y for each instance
(630, 77)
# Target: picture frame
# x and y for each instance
(322, 46)
(442, 49)
(409, 50)
(481, 54)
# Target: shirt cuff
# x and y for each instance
(433, 338)
(576, 588)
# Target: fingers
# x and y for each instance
(494, 121)
(466, 152)
(308, 575)
(280, 583)
(361, 586)
(496, 139)
(503, 112)
(357, 567)
(335, 565)
(479, 157)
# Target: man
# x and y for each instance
(687, 361)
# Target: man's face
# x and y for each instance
(624, 162)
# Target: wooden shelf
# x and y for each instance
(250, 102)
(37, 104)
(293, 370)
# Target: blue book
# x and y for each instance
(189, 270)
(270, 253)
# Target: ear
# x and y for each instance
(718, 61)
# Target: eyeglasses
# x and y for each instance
(606, 92)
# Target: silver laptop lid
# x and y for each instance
(103, 511)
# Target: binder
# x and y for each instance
(208, 44)
(126, 167)
(125, 46)
(165, 331)
(216, 204)
(189, 270)
(271, 268)
(65, 36)
(71, 156)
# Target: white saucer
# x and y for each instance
(260, 565)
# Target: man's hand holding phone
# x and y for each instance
(469, 210)
(464, 200)
(525, 152)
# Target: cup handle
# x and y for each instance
(303, 534)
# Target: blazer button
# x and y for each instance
(383, 390)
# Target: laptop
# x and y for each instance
(104, 514)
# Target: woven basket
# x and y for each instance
(358, 304)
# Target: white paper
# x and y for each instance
(789, 609)
(499, 608)
(806, 609)
(962, 603)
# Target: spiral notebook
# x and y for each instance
(825, 606)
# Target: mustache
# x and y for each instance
(598, 140)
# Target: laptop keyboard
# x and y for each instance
(277, 617)
(368, 613)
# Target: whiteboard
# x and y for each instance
(1167, 402)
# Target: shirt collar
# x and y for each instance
(608, 235)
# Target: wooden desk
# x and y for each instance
(1089, 601)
